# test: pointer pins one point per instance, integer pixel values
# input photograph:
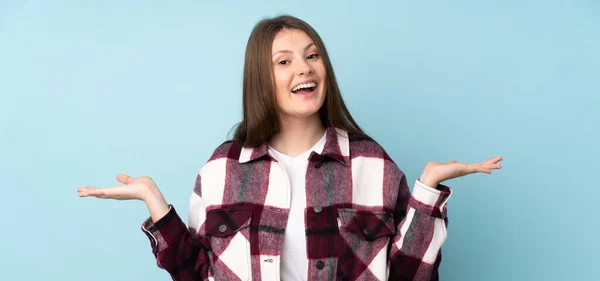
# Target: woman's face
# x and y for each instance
(299, 74)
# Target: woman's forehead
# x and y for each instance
(291, 40)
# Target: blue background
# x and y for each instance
(93, 89)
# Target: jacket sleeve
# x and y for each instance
(182, 251)
(421, 222)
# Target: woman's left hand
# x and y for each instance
(436, 172)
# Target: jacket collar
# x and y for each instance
(337, 146)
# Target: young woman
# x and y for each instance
(300, 192)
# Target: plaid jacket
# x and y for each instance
(362, 223)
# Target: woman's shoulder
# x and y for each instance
(219, 156)
(362, 144)
(365, 147)
(224, 150)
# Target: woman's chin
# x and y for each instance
(304, 114)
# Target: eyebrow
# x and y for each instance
(288, 51)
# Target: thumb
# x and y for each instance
(124, 178)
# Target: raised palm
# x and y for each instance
(436, 172)
(134, 188)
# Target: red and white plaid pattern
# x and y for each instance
(362, 223)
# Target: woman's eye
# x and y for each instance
(313, 56)
(283, 62)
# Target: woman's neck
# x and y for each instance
(297, 135)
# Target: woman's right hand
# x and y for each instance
(140, 188)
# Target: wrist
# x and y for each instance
(429, 181)
(147, 191)
(157, 205)
(152, 196)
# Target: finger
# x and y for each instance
(484, 170)
(489, 161)
(124, 178)
(494, 160)
(90, 191)
(480, 168)
(85, 189)
(82, 192)
(112, 192)
(490, 166)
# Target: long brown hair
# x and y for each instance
(260, 117)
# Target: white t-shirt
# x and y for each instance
(294, 261)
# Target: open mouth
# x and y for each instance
(305, 88)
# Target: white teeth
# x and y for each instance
(302, 86)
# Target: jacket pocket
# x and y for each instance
(228, 231)
(368, 225)
(365, 236)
